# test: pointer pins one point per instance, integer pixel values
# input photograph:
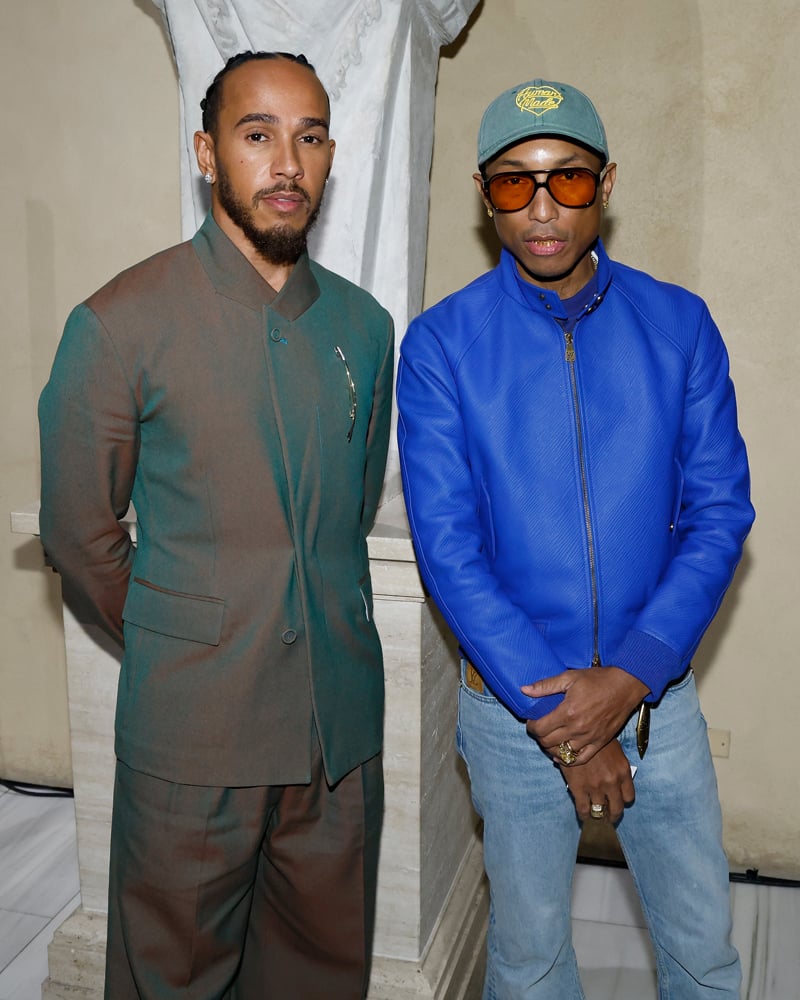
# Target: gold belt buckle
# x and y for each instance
(473, 679)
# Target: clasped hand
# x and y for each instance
(605, 781)
(597, 703)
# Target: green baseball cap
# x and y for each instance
(540, 108)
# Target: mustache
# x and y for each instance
(291, 188)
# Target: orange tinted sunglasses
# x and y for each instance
(570, 187)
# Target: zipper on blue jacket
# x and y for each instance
(587, 516)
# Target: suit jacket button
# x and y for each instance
(288, 636)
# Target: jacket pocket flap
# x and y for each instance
(170, 612)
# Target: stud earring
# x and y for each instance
(605, 204)
(208, 177)
(490, 213)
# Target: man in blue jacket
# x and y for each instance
(578, 493)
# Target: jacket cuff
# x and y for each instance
(649, 659)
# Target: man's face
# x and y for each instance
(551, 243)
(270, 157)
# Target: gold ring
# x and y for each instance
(598, 812)
(566, 753)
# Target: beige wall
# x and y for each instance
(699, 104)
(89, 120)
(697, 100)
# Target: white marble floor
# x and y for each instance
(39, 886)
(39, 889)
(616, 959)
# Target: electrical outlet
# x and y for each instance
(720, 741)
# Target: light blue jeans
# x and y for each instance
(671, 836)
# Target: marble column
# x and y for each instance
(432, 899)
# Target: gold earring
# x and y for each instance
(490, 213)
(605, 204)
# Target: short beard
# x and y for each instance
(280, 245)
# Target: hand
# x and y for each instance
(598, 701)
(605, 781)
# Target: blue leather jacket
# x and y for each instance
(573, 498)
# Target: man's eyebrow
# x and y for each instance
(313, 123)
(520, 165)
(259, 117)
(264, 118)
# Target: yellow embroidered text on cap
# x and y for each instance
(537, 100)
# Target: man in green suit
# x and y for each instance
(239, 395)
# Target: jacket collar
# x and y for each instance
(543, 300)
(234, 276)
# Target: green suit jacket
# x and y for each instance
(250, 430)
